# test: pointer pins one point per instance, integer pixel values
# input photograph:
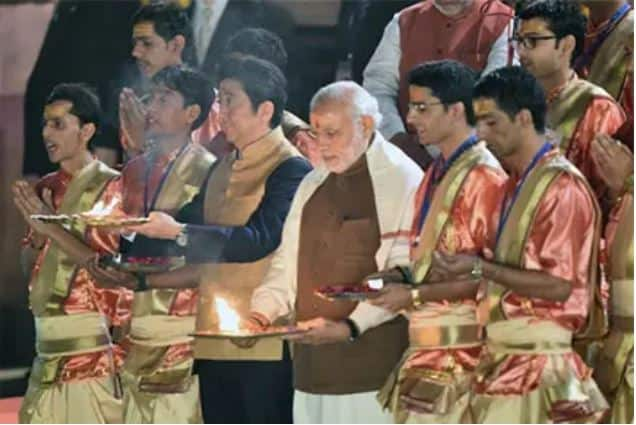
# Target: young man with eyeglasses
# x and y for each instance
(608, 58)
(550, 36)
(457, 208)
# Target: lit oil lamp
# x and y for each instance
(229, 325)
(229, 319)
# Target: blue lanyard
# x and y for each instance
(586, 58)
(438, 170)
(506, 206)
(166, 171)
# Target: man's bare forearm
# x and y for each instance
(449, 291)
(77, 250)
(528, 283)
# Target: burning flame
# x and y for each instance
(229, 320)
(100, 208)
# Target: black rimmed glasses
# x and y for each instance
(530, 42)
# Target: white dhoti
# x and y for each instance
(339, 409)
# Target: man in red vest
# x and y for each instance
(474, 32)
(608, 58)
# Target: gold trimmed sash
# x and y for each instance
(622, 297)
(613, 61)
(618, 349)
(621, 251)
(184, 180)
(161, 331)
(444, 336)
(513, 237)
(168, 381)
(143, 370)
(181, 185)
(152, 302)
(87, 344)
(622, 323)
(73, 334)
(59, 336)
(512, 242)
(565, 112)
(526, 335)
(444, 326)
(442, 205)
(57, 272)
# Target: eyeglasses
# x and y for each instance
(530, 42)
(420, 107)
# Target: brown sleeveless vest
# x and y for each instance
(339, 237)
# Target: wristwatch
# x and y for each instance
(415, 297)
(354, 331)
(477, 272)
(405, 271)
(142, 284)
(182, 237)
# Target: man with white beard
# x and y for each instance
(347, 221)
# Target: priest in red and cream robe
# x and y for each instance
(608, 58)
(457, 210)
(614, 370)
(74, 376)
(542, 283)
(157, 373)
(578, 110)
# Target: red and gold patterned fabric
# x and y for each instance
(85, 296)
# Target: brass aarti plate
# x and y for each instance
(138, 264)
(347, 292)
(271, 332)
(109, 221)
(59, 218)
(91, 220)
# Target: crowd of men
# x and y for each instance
(483, 171)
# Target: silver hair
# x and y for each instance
(351, 93)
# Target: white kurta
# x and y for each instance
(395, 179)
(359, 408)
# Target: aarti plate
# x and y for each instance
(91, 220)
(347, 292)
(142, 264)
(271, 332)
(58, 218)
(109, 221)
